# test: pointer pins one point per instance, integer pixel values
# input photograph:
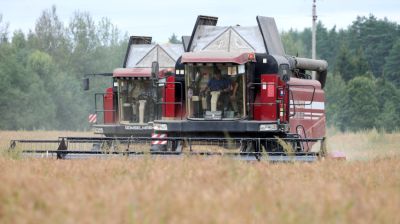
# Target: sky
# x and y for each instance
(160, 19)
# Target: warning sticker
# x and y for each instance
(271, 90)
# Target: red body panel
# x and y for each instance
(308, 107)
(169, 98)
(109, 114)
(131, 72)
(265, 107)
(216, 57)
(139, 72)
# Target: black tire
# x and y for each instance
(271, 146)
(174, 146)
(158, 148)
(250, 146)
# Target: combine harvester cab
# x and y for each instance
(129, 108)
(236, 85)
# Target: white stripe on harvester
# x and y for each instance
(310, 118)
(314, 105)
(313, 113)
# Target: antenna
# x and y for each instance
(314, 32)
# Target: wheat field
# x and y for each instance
(363, 189)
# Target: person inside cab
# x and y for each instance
(218, 89)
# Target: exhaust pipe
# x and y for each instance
(319, 66)
(311, 64)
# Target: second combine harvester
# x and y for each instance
(129, 107)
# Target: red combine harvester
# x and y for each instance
(232, 92)
(237, 83)
(128, 108)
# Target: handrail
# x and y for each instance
(302, 104)
(97, 110)
(166, 103)
(254, 103)
(312, 96)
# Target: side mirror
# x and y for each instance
(154, 70)
(85, 84)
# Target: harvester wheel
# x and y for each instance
(158, 148)
(174, 146)
(249, 146)
(270, 146)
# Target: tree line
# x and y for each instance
(362, 88)
(41, 71)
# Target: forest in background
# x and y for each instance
(41, 71)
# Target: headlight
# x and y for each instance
(160, 127)
(268, 127)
